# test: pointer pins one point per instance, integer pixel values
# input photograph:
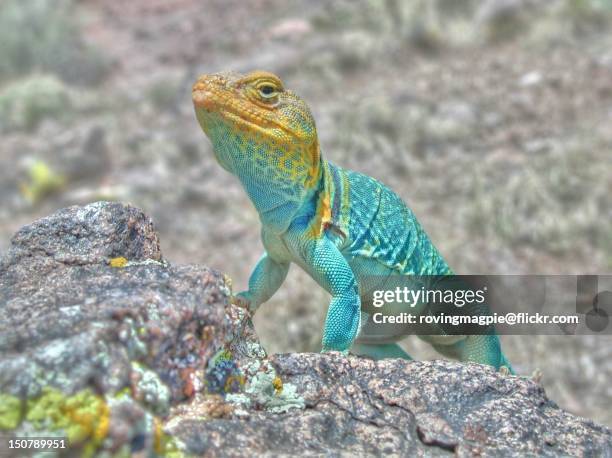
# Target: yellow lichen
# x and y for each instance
(158, 436)
(118, 262)
(277, 383)
(10, 411)
(231, 380)
(164, 444)
(84, 416)
(91, 413)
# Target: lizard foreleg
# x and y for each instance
(328, 267)
(267, 276)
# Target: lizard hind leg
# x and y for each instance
(484, 349)
(380, 351)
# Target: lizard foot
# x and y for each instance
(536, 376)
(243, 301)
(240, 302)
(504, 370)
(328, 350)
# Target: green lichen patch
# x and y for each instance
(10, 411)
(149, 389)
(167, 445)
(84, 416)
(267, 390)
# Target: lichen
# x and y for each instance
(255, 350)
(130, 336)
(223, 374)
(150, 390)
(165, 444)
(118, 263)
(277, 383)
(10, 411)
(84, 417)
(263, 388)
(268, 391)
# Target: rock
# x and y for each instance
(531, 79)
(128, 341)
(89, 235)
(105, 342)
(361, 407)
(291, 28)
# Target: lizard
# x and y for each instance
(340, 226)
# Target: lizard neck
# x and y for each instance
(281, 175)
(279, 180)
(280, 203)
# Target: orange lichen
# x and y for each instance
(277, 383)
(94, 421)
(187, 374)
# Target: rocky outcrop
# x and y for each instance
(363, 407)
(106, 343)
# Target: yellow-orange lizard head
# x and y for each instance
(259, 130)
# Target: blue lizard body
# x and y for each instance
(344, 228)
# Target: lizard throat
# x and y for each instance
(277, 180)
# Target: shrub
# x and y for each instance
(25, 103)
(42, 35)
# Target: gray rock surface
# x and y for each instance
(171, 367)
(358, 407)
(71, 322)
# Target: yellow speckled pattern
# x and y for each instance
(263, 134)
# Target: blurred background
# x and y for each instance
(491, 119)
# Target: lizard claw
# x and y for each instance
(536, 376)
(241, 301)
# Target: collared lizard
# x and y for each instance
(340, 226)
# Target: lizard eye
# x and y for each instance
(267, 91)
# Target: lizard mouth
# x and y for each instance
(207, 99)
(203, 98)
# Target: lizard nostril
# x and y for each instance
(202, 98)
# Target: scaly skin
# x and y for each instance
(340, 226)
